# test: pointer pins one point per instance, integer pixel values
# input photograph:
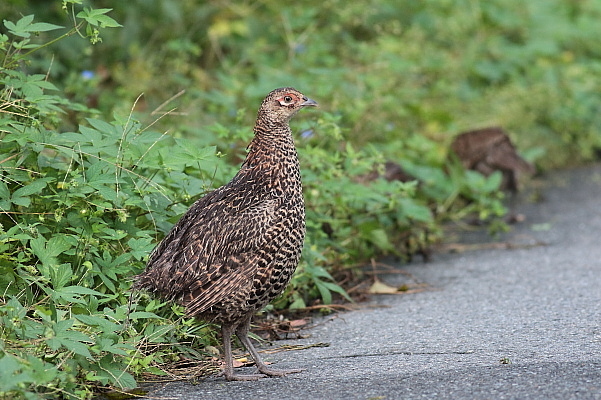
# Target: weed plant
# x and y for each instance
(93, 175)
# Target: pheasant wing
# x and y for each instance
(213, 251)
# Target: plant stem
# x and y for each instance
(25, 55)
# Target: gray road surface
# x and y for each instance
(537, 308)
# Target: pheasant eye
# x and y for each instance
(287, 99)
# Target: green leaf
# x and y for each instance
(415, 211)
(140, 248)
(47, 251)
(143, 315)
(333, 287)
(25, 26)
(4, 197)
(97, 17)
(100, 321)
(121, 378)
(60, 276)
(318, 271)
(8, 365)
(103, 126)
(109, 345)
(20, 28)
(20, 196)
(75, 336)
(43, 27)
(74, 294)
(297, 303)
(38, 247)
(379, 237)
(77, 347)
(493, 182)
(107, 22)
(156, 334)
(326, 296)
(10, 379)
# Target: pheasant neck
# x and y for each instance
(273, 154)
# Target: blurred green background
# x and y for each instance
(103, 146)
(389, 69)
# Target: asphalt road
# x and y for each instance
(521, 322)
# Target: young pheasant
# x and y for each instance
(236, 248)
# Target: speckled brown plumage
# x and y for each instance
(488, 150)
(236, 248)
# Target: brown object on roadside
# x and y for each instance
(488, 150)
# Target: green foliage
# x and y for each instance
(390, 70)
(90, 183)
(79, 213)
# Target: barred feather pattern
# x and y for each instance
(236, 248)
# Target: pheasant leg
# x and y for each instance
(242, 333)
(227, 330)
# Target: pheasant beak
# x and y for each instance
(308, 102)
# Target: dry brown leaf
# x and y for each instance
(298, 322)
(240, 362)
(379, 287)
